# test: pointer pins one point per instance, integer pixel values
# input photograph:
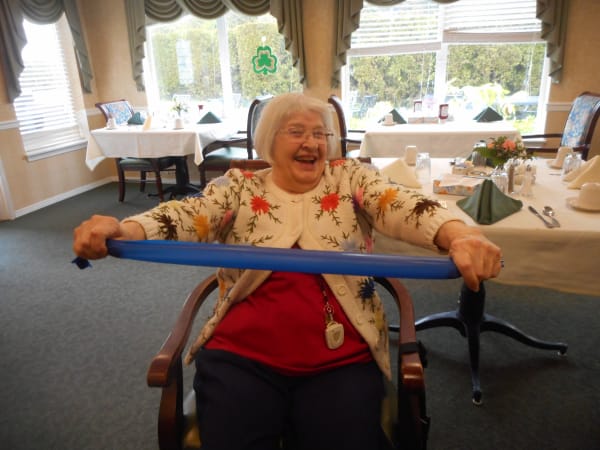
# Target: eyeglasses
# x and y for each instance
(300, 134)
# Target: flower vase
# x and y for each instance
(497, 161)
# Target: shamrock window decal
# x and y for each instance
(265, 61)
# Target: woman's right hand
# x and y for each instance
(89, 238)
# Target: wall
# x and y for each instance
(34, 184)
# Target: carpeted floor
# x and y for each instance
(75, 347)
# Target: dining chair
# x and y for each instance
(579, 127)
(347, 137)
(404, 418)
(218, 154)
(121, 110)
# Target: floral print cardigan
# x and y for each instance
(340, 214)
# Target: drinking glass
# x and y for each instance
(500, 179)
(572, 161)
(423, 167)
(478, 159)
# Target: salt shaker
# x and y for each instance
(526, 188)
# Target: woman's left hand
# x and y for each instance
(476, 257)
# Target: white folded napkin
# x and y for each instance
(588, 172)
(575, 172)
(561, 154)
(400, 173)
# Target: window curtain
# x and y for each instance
(553, 14)
(287, 12)
(12, 13)
(289, 20)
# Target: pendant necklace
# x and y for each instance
(334, 331)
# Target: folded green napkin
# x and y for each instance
(488, 204)
(488, 115)
(136, 119)
(209, 118)
(396, 116)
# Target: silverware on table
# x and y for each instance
(534, 211)
(548, 211)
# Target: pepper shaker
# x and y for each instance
(511, 177)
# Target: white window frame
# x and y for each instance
(440, 46)
(152, 84)
(226, 107)
(62, 128)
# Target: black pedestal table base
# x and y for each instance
(182, 184)
(470, 320)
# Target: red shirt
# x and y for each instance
(282, 325)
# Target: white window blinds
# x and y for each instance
(424, 22)
(410, 22)
(491, 16)
(45, 108)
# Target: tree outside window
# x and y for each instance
(211, 46)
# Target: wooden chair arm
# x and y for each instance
(216, 145)
(411, 374)
(541, 136)
(413, 423)
(164, 364)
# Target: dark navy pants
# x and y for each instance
(244, 405)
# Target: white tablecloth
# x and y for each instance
(133, 141)
(441, 140)
(562, 258)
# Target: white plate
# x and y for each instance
(572, 202)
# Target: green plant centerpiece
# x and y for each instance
(179, 106)
(500, 150)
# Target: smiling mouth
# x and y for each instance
(305, 159)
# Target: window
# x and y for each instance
(211, 63)
(45, 108)
(469, 54)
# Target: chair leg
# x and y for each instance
(159, 187)
(202, 171)
(142, 181)
(121, 176)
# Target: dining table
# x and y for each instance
(561, 258)
(134, 141)
(447, 139)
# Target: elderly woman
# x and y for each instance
(296, 350)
